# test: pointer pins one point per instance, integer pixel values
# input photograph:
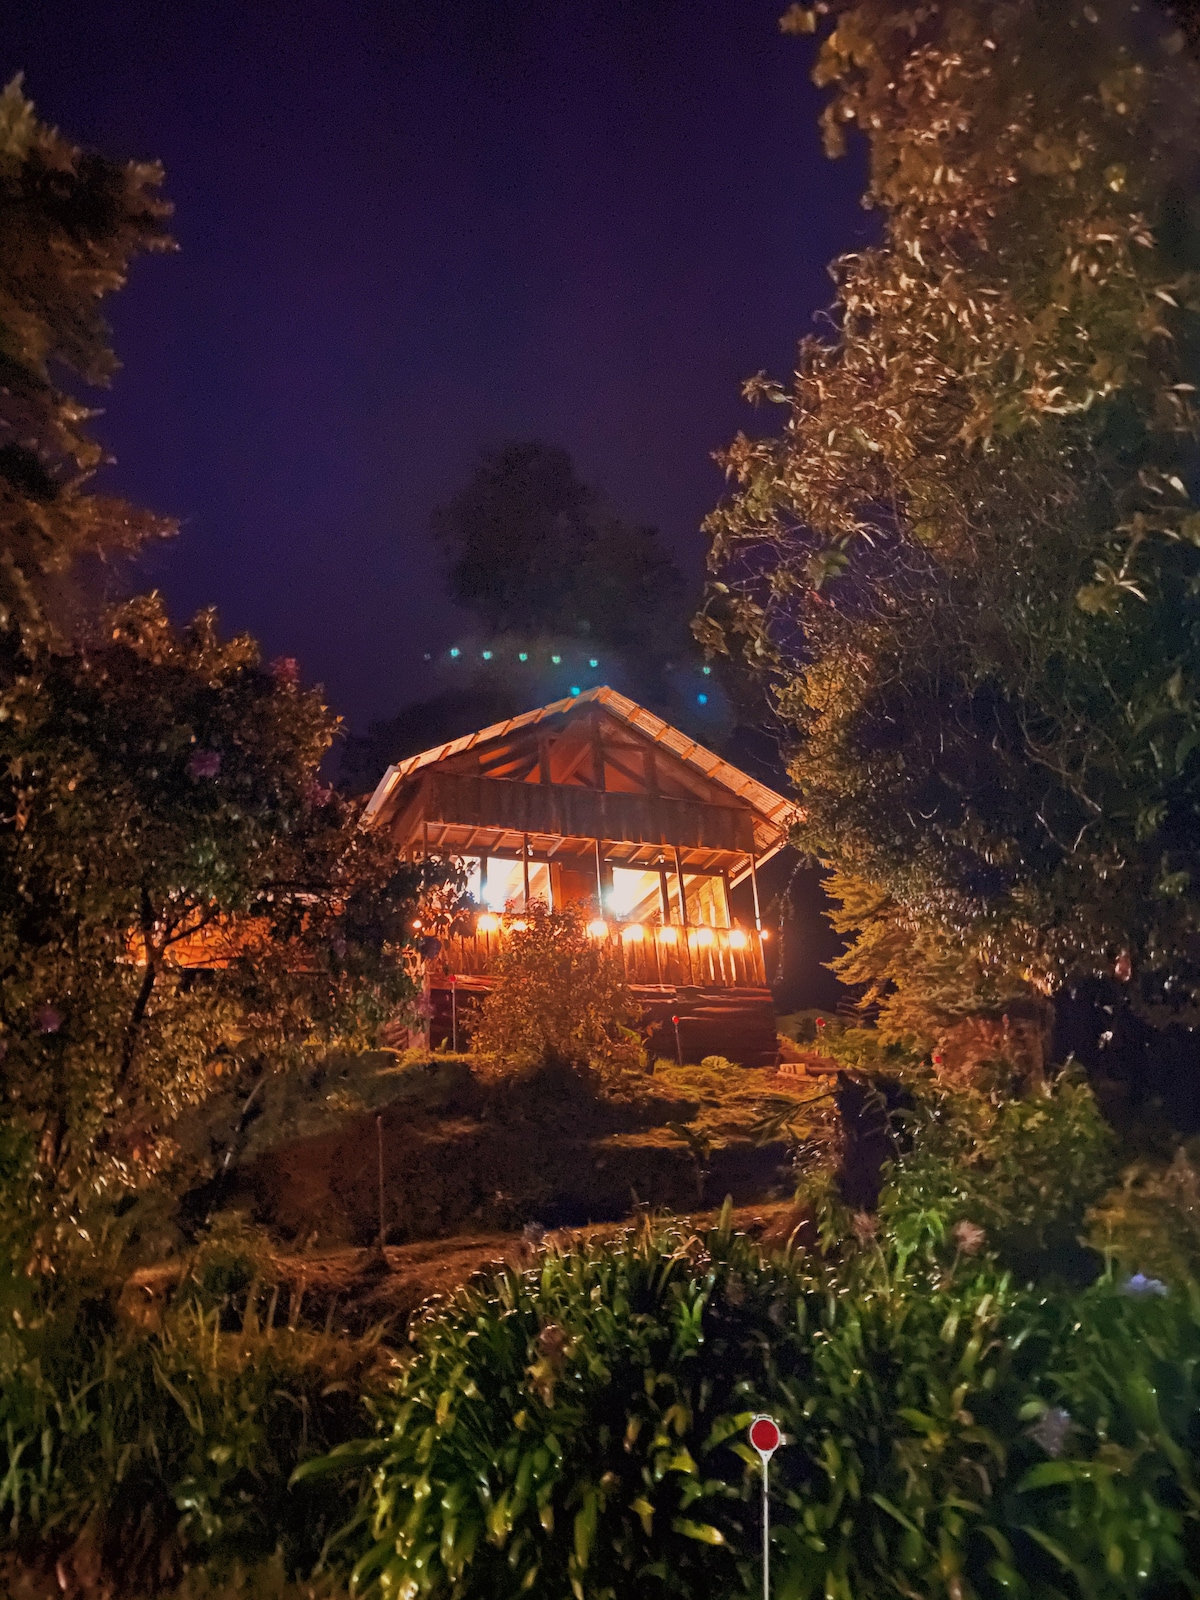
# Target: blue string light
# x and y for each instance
(703, 699)
(557, 660)
(487, 655)
(593, 662)
(455, 653)
(574, 688)
(707, 671)
(524, 656)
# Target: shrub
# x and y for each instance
(558, 996)
(579, 1428)
(1025, 1171)
(1150, 1224)
(143, 1453)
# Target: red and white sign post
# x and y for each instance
(766, 1439)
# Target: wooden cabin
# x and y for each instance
(595, 801)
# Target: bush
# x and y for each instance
(1151, 1223)
(1025, 1171)
(579, 1428)
(145, 1452)
(558, 996)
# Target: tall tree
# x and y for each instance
(561, 590)
(179, 894)
(70, 223)
(968, 565)
(534, 550)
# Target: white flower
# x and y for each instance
(1052, 1430)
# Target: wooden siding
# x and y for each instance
(724, 958)
(572, 812)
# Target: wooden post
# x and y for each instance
(664, 892)
(754, 890)
(683, 914)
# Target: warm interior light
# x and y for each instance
(487, 923)
(633, 931)
(668, 935)
(598, 929)
(704, 936)
(738, 939)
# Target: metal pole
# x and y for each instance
(379, 1137)
(525, 865)
(766, 1536)
(454, 1012)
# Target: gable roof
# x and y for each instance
(774, 808)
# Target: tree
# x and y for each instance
(70, 223)
(562, 591)
(558, 997)
(534, 550)
(179, 893)
(967, 566)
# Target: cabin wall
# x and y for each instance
(567, 811)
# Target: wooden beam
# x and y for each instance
(597, 748)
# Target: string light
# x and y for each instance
(524, 656)
(593, 662)
(598, 929)
(703, 699)
(632, 932)
(575, 688)
(707, 671)
(487, 923)
(487, 655)
(455, 653)
(704, 936)
(668, 935)
(738, 939)
(557, 660)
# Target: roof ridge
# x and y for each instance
(775, 807)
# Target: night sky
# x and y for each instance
(410, 232)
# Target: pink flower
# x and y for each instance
(970, 1237)
(318, 793)
(865, 1227)
(204, 764)
(286, 671)
(48, 1019)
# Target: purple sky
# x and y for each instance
(412, 231)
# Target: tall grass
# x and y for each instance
(143, 1452)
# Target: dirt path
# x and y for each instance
(353, 1290)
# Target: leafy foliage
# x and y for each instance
(1024, 1171)
(967, 564)
(70, 223)
(580, 1427)
(178, 892)
(143, 1452)
(557, 995)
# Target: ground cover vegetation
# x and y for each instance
(966, 566)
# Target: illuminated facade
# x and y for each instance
(595, 801)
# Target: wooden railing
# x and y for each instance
(726, 958)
